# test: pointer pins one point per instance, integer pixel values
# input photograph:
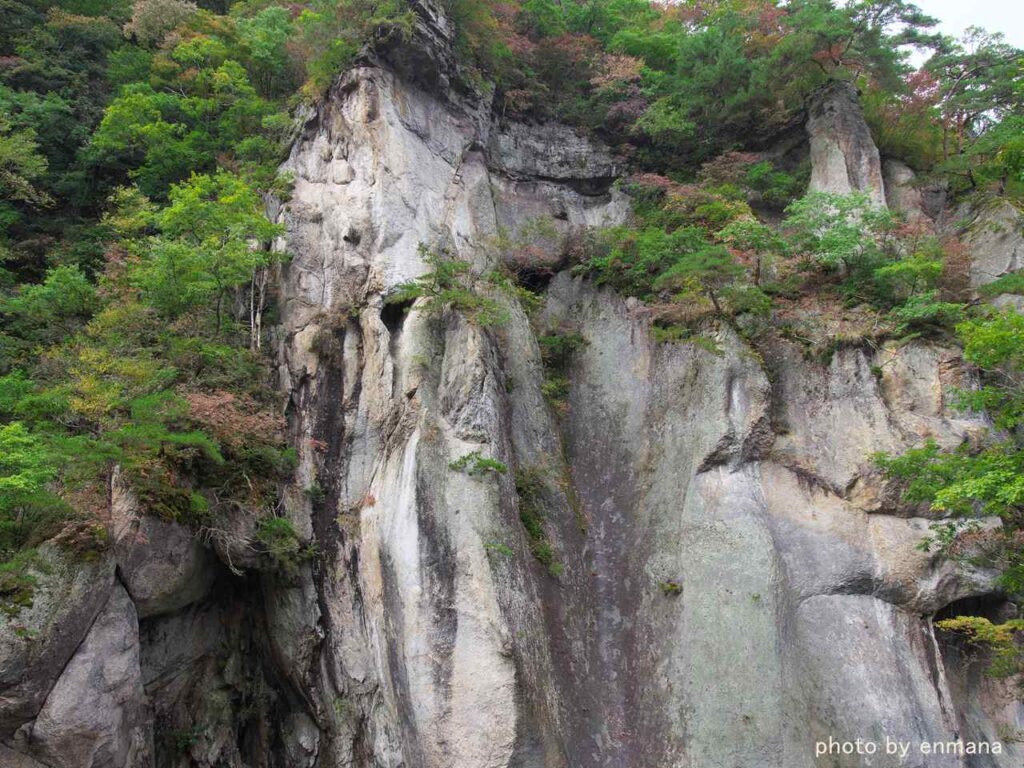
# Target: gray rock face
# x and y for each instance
(550, 151)
(95, 716)
(164, 567)
(729, 579)
(11, 759)
(993, 233)
(844, 158)
(713, 575)
(902, 194)
(36, 645)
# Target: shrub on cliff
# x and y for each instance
(450, 284)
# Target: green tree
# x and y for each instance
(331, 33)
(859, 37)
(266, 36)
(981, 82)
(152, 19)
(706, 269)
(21, 166)
(759, 241)
(214, 238)
(38, 315)
(842, 232)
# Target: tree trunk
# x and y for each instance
(714, 301)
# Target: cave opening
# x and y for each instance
(991, 606)
(393, 315)
(535, 279)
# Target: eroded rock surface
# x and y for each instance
(844, 158)
(993, 232)
(95, 715)
(720, 577)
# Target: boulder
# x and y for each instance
(96, 715)
(902, 194)
(36, 644)
(163, 566)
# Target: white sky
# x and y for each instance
(1006, 16)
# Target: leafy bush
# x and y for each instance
(29, 512)
(842, 232)
(1002, 640)
(557, 349)
(476, 464)
(450, 284)
(280, 542)
(332, 32)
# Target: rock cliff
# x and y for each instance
(844, 158)
(729, 581)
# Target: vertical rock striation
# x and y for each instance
(729, 580)
(844, 158)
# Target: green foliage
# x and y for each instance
(557, 349)
(1012, 283)
(962, 482)
(706, 269)
(894, 269)
(924, 312)
(450, 284)
(843, 232)
(649, 261)
(476, 464)
(679, 334)
(266, 36)
(1001, 640)
(978, 81)
(29, 512)
(332, 32)
(205, 247)
(498, 548)
(776, 188)
(280, 542)
(671, 588)
(863, 36)
(994, 341)
(152, 20)
(20, 165)
(531, 490)
(38, 315)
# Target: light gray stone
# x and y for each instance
(36, 644)
(96, 714)
(993, 234)
(902, 194)
(163, 566)
(844, 158)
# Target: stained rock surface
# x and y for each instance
(721, 578)
(844, 157)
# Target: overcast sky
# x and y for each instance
(1006, 16)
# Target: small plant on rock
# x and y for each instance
(450, 284)
(476, 464)
(280, 542)
(530, 488)
(671, 588)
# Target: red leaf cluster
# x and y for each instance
(234, 420)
